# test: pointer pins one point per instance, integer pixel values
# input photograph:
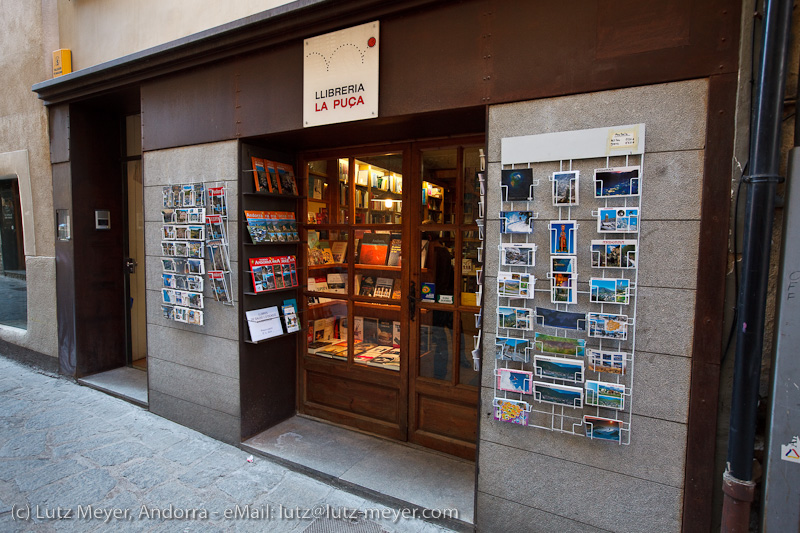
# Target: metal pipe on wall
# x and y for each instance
(761, 184)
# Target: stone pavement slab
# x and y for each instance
(73, 459)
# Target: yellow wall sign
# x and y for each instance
(62, 62)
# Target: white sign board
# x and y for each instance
(264, 323)
(340, 76)
(578, 144)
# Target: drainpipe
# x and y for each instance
(737, 484)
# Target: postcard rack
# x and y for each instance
(218, 242)
(183, 236)
(566, 316)
(481, 221)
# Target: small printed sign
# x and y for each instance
(791, 452)
(627, 139)
(340, 75)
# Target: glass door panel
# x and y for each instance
(327, 328)
(378, 196)
(444, 384)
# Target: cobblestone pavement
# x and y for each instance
(69, 450)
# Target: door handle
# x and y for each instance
(412, 300)
(130, 265)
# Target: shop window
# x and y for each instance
(13, 285)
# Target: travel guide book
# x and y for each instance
(272, 273)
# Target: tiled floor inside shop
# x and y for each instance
(379, 467)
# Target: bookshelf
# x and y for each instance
(268, 366)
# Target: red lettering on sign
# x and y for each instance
(348, 102)
(323, 107)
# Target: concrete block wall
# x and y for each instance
(536, 480)
(193, 371)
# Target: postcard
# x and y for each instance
(516, 222)
(195, 266)
(168, 312)
(560, 319)
(195, 317)
(514, 317)
(511, 349)
(181, 314)
(603, 428)
(609, 290)
(563, 264)
(614, 254)
(618, 181)
(563, 288)
(168, 296)
(563, 236)
(565, 188)
(515, 380)
(559, 345)
(513, 411)
(558, 394)
(602, 394)
(514, 284)
(605, 326)
(618, 220)
(517, 185)
(610, 362)
(194, 249)
(181, 266)
(512, 254)
(558, 368)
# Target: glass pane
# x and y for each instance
(13, 285)
(472, 190)
(436, 344)
(438, 270)
(328, 194)
(466, 371)
(327, 262)
(376, 335)
(381, 250)
(327, 329)
(439, 175)
(471, 263)
(344, 191)
(379, 189)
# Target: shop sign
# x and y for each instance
(340, 76)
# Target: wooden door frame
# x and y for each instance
(411, 223)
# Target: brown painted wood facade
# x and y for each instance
(442, 64)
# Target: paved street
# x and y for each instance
(71, 451)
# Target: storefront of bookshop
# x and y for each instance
(386, 275)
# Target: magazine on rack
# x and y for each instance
(219, 286)
(218, 201)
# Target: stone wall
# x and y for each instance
(536, 480)
(24, 152)
(193, 371)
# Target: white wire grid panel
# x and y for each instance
(560, 400)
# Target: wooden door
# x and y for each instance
(444, 385)
(354, 363)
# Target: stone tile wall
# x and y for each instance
(193, 370)
(536, 480)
